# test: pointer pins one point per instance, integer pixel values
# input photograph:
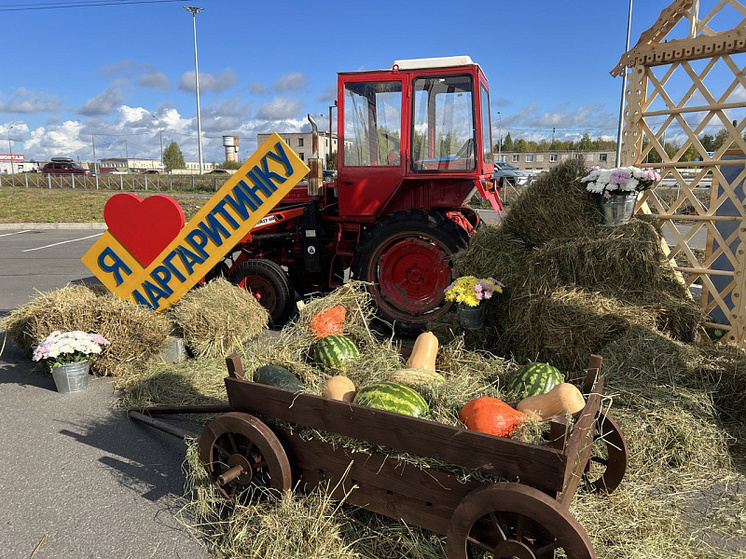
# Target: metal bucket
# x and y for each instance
(619, 208)
(471, 318)
(71, 377)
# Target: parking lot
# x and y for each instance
(81, 480)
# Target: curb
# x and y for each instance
(96, 226)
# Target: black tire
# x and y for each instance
(406, 257)
(269, 284)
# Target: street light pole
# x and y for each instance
(500, 138)
(10, 149)
(624, 87)
(194, 10)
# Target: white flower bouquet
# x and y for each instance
(621, 180)
(68, 347)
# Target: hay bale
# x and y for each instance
(563, 327)
(556, 205)
(217, 318)
(69, 308)
(135, 333)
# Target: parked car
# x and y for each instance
(329, 174)
(505, 173)
(64, 166)
(219, 172)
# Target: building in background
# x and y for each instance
(16, 164)
(301, 142)
(230, 143)
(130, 165)
(542, 161)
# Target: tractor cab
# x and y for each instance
(417, 135)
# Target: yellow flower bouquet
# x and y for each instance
(470, 291)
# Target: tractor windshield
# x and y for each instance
(443, 124)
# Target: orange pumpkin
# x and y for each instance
(328, 322)
(492, 416)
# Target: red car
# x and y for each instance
(64, 166)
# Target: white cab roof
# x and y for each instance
(440, 62)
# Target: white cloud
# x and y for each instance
(60, 140)
(155, 80)
(279, 108)
(25, 101)
(291, 82)
(257, 89)
(102, 104)
(216, 83)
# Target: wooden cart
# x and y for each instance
(525, 517)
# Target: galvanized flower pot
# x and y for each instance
(618, 208)
(71, 377)
(472, 318)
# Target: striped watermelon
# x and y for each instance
(392, 396)
(332, 350)
(533, 379)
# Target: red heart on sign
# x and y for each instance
(143, 227)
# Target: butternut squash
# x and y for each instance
(424, 352)
(563, 399)
(339, 387)
(415, 377)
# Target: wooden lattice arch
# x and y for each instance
(672, 89)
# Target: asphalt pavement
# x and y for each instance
(80, 480)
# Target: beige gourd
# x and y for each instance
(563, 399)
(421, 363)
(339, 387)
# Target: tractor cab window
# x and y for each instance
(486, 127)
(372, 117)
(443, 127)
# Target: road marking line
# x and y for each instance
(16, 233)
(63, 242)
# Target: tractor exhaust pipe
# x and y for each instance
(315, 177)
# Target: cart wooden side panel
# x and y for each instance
(424, 498)
(541, 467)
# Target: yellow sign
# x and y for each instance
(255, 189)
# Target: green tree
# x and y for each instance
(173, 158)
(585, 142)
(332, 161)
(708, 142)
(230, 164)
(508, 143)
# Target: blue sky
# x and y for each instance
(124, 73)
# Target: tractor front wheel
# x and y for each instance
(406, 258)
(269, 284)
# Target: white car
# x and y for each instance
(505, 174)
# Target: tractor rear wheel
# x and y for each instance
(269, 284)
(406, 257)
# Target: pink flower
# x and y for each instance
(619, 177)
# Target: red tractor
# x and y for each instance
(414, 143)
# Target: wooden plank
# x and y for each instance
(387, 486)
(580, 445)
(541, 467)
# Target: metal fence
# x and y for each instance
(157, 183)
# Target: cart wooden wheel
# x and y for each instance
(239, 451)
(509, 520)
(609, 457)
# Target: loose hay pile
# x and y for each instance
(136, 334)
(217, 318)
(572, 288)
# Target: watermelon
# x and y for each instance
(274, 375)
(393, 396)
(533, 379)
(331, 351)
